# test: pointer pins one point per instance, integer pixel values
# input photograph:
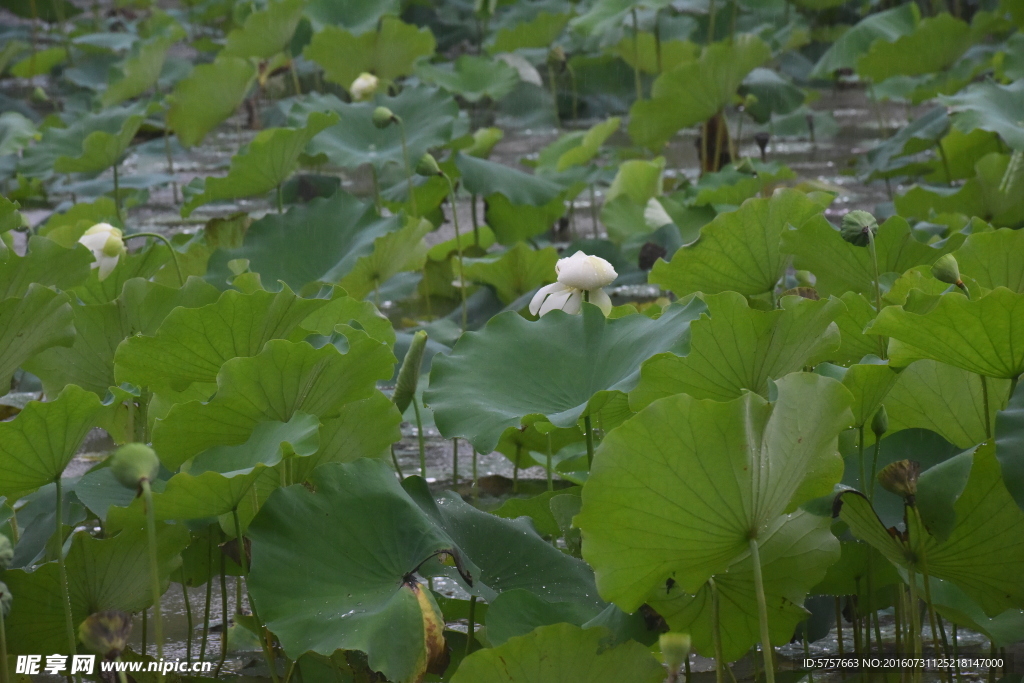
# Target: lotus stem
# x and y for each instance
(206, 606)
(945, 162)
(897, 613)
(280, 200)
(807, 653)
(154, 571)
(551, 482)
(223, 617)
(170, 164)
(915, 616)
(593, 211)
(458, 246)
(515, 468)
(476, 221)
(419, 438)
(244, 559)
(945, 649)
(878, 288)
(455, 461)
(762, 612)
(956, 652)
(408, 167)
(117, 193)
(554, 94)
(3, 650)
(575, 90)
(475, 480)
(376, 188)
(984, 400)
(188, 621)
(637, 79)
(174, 252)
(711, 22)
(62, 570)
(472, 624)
(716, 632)
(874, 467)
(839, 625)
(686, 669)
(590, 441)
(394, 459)
(145, 632)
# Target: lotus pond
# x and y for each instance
(512, 341)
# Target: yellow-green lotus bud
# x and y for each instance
(106, 633)
(880, 422)
(383, 117)
(134, 463)
(859, 228)
(6, 552)
(947, 270)
(5, 602)
(900, 478)
(675, 648)
(427, 166)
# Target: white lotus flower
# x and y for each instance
(655, 215)
(364, 86)
(577, 274)
(106, 244)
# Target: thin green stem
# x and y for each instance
(878, 287)
(244, 559)
(455, 461)
(223, 616)
(3, 650)
(945, 162)
(637, 78)
(62, 570)
(915, 617)
(515, 468)
(458, 246)
(394, 459)
(589, 428)
(206, 607)
(711, 22)
(475, 481)
(860, 458)
(762, 612)
(154, 571)
(408, 168)
(874, 468)
(174, 252)
(280, 199)
(553, 84)
(472, 624)
(716, 632)
(145, 632)
(551, 481)
(376, 188)
(984, 400)
(476, 220)
(419, 438)
(117, 196)
(839, 625)
(188, 621)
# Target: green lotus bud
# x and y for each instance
(427, 166)
(6, 553)
(900, 478)
(947, 270)
(106, 633)
(134, 463)
(675, 648)
(409, 375)
(39, 95)
(859, 228)
(880, 422)
(5, 600)
(556, 56)
(383, 117)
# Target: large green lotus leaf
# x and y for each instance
(192, 344)
(45, 263)
(389, 52)
(38, 444)
(587, 146)
(263, 165)
(512, 224)
(486, 178)
(393, 253)
(49, 12)
(795, 554)
(735, 348)
(139, 71)
(561, 653)
(855, 42)
(994, 259)
(562, 367)
(944, 399)
(993, 194)
(540, 31)
(208, 96)
(91, 144)
(265, 32)
(99, 328)
(362, 429)
(984, 335)
(695, 91)
(840, 267)
(848, 576)
(514, 272)
(283, 379)
(679, 490)
(357, 16)
(606, 15)
(869, 382)
(316, 242)
(738, 250)
(428, 116)
(992, 107)
(42, 62)
(107, 574)
(983, 554)
(144, 264)
(31, 324)
(890, 157)
(934, 45)
(10, 217)
(473, 78)
(518, 612)
(774, 93)
(644, 51)
(1009, 434)
(734, 184)
(270, 443)
(638, 179)
(953, 604)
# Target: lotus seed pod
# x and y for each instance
(6, 552)
(900, 478)
(106, 633)
(409, 375)
(133, 463)
(947, 270)
(675, 648)
(427, 166)
(880, 422)
(383, 117)
(5, 600)
(859, 227)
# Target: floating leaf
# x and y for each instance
(734, 349)
(738, 250)
(208, 96)
(389, 52)
(29, 325)
(546, 368)
(680, 489)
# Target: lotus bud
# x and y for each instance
(859, 228)
(427, 166)
(5, 604)
(364, 86)
(383, 117)
(134, 463)
(947, 270)
(556, 56)
(900, 477)
(675, 648)
(106, 633)
(6, 553)
(880, 422)
(409, 375)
